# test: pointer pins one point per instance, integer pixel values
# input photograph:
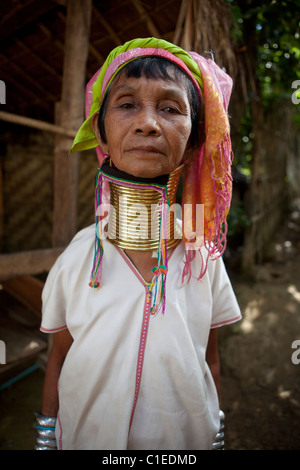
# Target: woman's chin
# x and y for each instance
(145, 171)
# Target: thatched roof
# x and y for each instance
(32, 41)
(32, 35)
(48, 52)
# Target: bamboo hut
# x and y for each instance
(49, 50)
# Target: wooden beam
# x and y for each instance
(107, 26)
(27, 263)
(36, 124)
(51, 37)
(180, 22)
(23, 16)
(92, 50)
(150, 25)
(35, 85)
(28, 290)
(66, 167)
(32, 55)
(26, 96)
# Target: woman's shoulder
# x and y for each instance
(79, 247)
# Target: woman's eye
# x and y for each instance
(127, 105)
(171, 110)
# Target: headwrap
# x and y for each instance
(207, 179)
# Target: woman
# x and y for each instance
(135, 307)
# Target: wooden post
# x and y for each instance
(71, 116)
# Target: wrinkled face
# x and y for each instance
(147, 125)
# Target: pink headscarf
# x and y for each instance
(207, 177)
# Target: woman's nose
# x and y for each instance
(146, 122)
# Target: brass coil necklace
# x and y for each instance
(135, 211)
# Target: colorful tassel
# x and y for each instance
(160, 271)
(158, 286)
(95, 278)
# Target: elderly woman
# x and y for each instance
(135, 300)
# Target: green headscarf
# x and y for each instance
(117, 59)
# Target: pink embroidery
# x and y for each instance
(54, 330)
(142, 348)
(226, 322)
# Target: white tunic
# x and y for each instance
(132, 380)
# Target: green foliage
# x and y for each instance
(243, 148)
(237, 219)
(275, 27)
(278, 44)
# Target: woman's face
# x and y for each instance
(147, 125)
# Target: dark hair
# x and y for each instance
(159, 68)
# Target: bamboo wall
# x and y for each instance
(28, 190)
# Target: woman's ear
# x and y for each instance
(95, 128)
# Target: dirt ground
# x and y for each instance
(260, 382)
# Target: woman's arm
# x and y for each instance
(62, 341)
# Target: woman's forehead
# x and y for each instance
(125, 84)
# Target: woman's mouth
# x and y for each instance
(147, 149)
